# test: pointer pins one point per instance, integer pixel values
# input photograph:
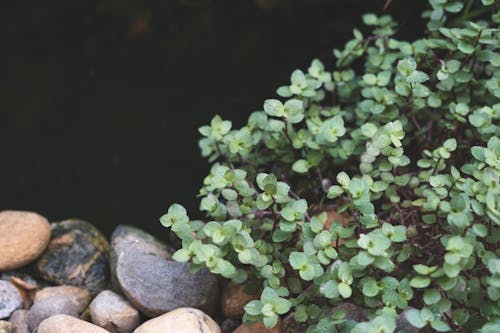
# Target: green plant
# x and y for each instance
(403, 139)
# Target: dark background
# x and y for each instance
(100, 100)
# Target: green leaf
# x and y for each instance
(465, 47)
(344, 290)
(370, 288)
(181, 255)
(298, 259)
(420, 281)
(253, 308)
(271, 321)
(329, 289)
(300, 166)
(440, 326)
(413, 317)
(368, 129)
(431, 296)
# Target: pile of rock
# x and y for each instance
(67, 277)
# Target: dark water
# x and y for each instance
(100, 101)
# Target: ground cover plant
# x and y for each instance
(400, 138)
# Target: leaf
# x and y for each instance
(370, 288)
(253, 308)
(413, 317)
(329, 289)
(298, 259)
(271, 321)
(281, 305)
(344, 290)
(440, 326)
(181, 255)
(300, 166)
(420, 281)
(431, 296)
(465, 47)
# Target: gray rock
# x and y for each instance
(125, 237)
(353, 312)
(19, 321)
(113, 313)
(403, 325)
(77, 255)
(48, 307)
(6, 327)
(10, 299)
(229, 325)
(156, 285)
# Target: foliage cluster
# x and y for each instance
(403, 139)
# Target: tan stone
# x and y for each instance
(67, 324)
(258, 328)
(79, 296)
(182, 320)
(23, 237)
(234, 299)
(113, 313)
(6, 327)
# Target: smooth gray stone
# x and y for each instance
(156, 285)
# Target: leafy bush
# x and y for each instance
(402, 138)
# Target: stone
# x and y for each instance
(113, 313)
(77, 255)
(125, 237)
(23, 237)
(353, 312)
(290, 325)
(19, 321)
(10, 299)
(403, 325)
(51, 306)
(234, 298)
(258, 328)
(156, 285)
(6, 327)
(78, 296)
(67, 324)
(182, 320)
(229, 325)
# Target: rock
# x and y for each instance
(156, 285)
(25, 284)
(51, 306)
(182, 320)
(67, 324)
(23, 237)
(111, 312)
(10, 299)
(229, 325)
(234, 298)
(6, 327)
(352, 311)
(290, 325)
(77, 255)
(125, 237)
(403, 325)
(258, 328)
(80, 297)
(19, 321)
